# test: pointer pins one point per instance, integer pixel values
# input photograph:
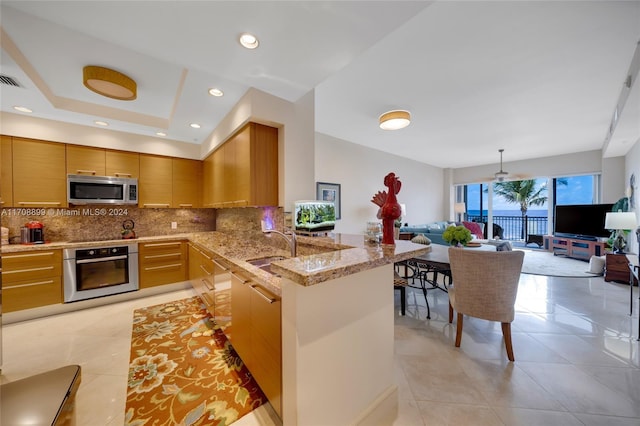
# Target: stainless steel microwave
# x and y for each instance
(84, 189)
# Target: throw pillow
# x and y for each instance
(474, 228)
(421, 239)
(596, 265)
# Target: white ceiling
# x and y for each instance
(534, 78)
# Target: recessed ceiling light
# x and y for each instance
(394, 120)
(22, 109)
(101, 123)
(195, 125)
(161, 134)
(249, 41)
(216, 92)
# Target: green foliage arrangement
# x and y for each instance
(455, 235)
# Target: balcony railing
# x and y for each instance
(516, 228)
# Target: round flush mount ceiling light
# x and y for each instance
(394, 120)
(216, 92)
(109, 83)
(249, 41)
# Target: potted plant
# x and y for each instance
(457, 235)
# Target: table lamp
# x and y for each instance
(460, 209)
(620, 222)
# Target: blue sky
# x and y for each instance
(579, 190)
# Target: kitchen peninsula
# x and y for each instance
(336, 319)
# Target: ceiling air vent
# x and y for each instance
(5, 79)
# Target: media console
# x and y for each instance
(574, 247)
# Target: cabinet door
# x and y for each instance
(156, 181)
(208, 181)
(219, 195)
(264, 166)
(186, 183)
(6, 172)
(83, 160)
(39, 173)
(122, 164)
(241, 176)
(240, 331)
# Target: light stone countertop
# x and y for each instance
(319, 258)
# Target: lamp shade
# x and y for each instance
(394, 120)
(459, 207)
(620, 220)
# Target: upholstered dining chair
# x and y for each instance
(485, 285)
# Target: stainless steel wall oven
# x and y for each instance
(100, 271)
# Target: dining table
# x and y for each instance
(429, 267)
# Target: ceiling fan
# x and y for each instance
(501, 175)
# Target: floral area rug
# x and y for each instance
(184, 371)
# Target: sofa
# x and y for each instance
(434, 230)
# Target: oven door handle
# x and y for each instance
(101, 259)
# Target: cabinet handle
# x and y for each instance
(242, 279)
(91, 172)
(263, 295)
(208, 301)
(44, 268)
(122, 174)
(219, 265)
(46, 203)
(161, 244)
(208, 285)
(205, 270)
(15, 256)
(102, 259)
(185, 205)
(153, 268)
(156, 256)
(30, 284)
(155, 205)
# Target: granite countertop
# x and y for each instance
(319, 258)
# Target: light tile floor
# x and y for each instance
(577, 359)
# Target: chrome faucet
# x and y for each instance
(293, 244)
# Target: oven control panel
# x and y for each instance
(95, 253)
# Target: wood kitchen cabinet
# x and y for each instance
(186, 178)
(163, 262)
(6, 172)
(201, 275)
(31, 279)
(244, 170)
(84, 160)
(122, 164)
(39, 173)
(257, 335)
(155, 182)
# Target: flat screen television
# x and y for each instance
(581, 221)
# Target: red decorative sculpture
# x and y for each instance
(390, 209)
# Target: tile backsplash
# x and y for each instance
(91, 223)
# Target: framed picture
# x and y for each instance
(329, 192)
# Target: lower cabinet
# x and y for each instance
(31, 279)
(210, 278)
(162, 263)
(257, 335)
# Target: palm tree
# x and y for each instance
(525, 193)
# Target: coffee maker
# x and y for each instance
(35, 232)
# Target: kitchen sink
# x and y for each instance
(264, 263)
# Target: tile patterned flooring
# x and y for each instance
(577, 358)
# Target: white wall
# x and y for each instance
(360, 171)
(632, 167)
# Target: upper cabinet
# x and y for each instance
(187, 175)
(39, 173)
(155, 182)
(84, 160)
(244, 170)
(6, 172)
(122, 164)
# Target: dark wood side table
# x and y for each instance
(616, 268)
